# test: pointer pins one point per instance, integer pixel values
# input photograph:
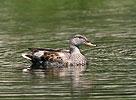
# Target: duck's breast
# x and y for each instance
(77, 59)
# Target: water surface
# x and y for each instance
(111, 73)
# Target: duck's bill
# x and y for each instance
(90, 44)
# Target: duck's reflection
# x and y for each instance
(71, 74)
(71, 79)
(65, 71)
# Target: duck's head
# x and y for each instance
(78, 40)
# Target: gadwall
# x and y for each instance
(59, 57)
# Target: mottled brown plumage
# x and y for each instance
(59, 57)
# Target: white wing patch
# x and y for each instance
(39, 53)
(61, 54)
(64, 56)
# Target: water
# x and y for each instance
(110, 24)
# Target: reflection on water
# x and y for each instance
(72, 72)
(111, 73)
(61, 82)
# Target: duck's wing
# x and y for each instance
(41, 54)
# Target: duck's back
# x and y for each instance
(48, 57)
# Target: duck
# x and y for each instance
(59, 57)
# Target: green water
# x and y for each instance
(111, 24)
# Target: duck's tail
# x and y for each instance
(27, 56)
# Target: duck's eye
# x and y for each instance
(79, 37)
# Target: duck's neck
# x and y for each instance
(74, 49)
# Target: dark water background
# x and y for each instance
(111, 24)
